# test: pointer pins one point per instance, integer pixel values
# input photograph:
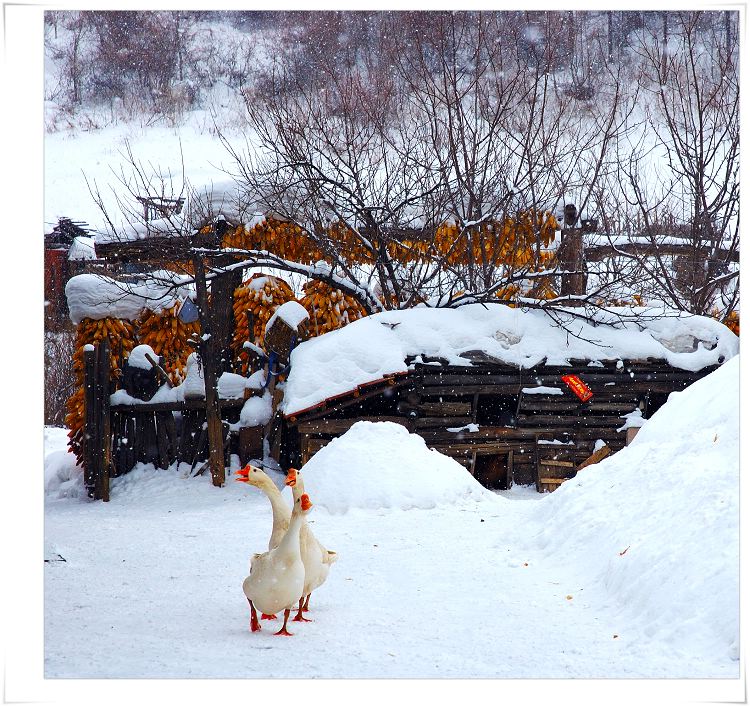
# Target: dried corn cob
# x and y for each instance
(167, 335)
(121, 336)
(329, 308)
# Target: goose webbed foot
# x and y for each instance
(283, 631)
(254, 623)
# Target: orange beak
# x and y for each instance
(242, 474)
(291, 477)
(305, 502)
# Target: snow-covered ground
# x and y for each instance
(630, 570)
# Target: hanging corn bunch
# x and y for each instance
(121, 336)
(329, 308)
(542, 289)
(733, 322)
(508, 294)
(167, 335)
(282, 238)
(261, 295)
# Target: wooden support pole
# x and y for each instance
(90, 423)
(104, 441)
(570, 258)
(209, 357)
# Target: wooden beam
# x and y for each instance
(596, 457)
(572, 421)
(557, 462)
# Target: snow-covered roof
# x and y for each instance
(223, 200)
(97, 296)
(378, 346)
(82, 248)
(170, 226)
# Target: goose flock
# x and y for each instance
(295, 564)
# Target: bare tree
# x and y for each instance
(59, 384)
(369, 156)
(507, 139)
(340, 156)
(692, 197)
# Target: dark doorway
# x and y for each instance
(494, 471)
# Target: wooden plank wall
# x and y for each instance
(530, 429)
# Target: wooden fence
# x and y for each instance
(117, 437)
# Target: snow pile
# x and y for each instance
(97, 296)
(381, 465)
(256, 410)
(62, 477)
(542, 390)
(137, 357)
(657, 524)
(377, 346)
(193, 386)
(231, 385)
(632, 419)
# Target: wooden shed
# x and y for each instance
(504, 425)
(508, 393)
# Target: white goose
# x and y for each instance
(277, 577)
(281, 512)
(316, 558)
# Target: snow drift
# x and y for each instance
(658, 523)
(62, 477)
(381, 465)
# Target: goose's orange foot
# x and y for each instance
(254, 623)
(283, 632)
(268, 616)
(299, 617)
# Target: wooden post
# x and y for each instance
(222, 312)
(208, 352)
(509, 471)
(97, 442)
(104, 441)
(570, 258)
(90, 424)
